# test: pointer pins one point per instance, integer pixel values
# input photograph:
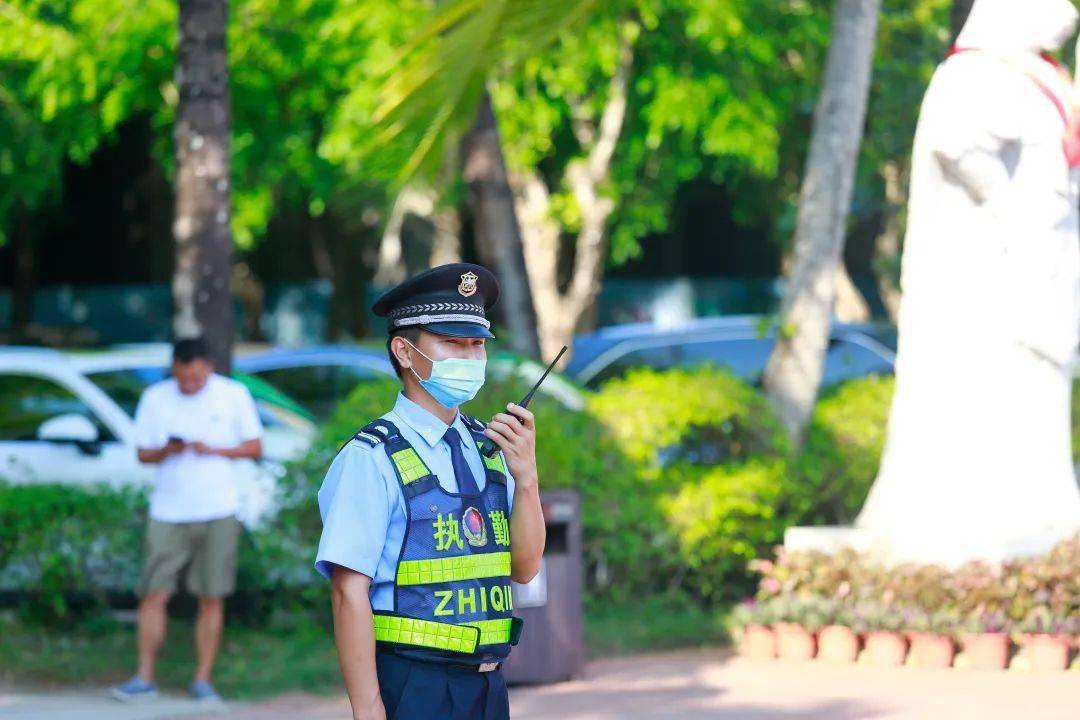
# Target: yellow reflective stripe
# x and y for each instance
(464, 567)
(425, 633)
(493, 632)
(493, 463)
(409, 465)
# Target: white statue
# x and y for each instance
(977, 463)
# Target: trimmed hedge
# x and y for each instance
(573, 450)
(832, 474)
(66, 545)
(685, 476)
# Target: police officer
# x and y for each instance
(422, 534)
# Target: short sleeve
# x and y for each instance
(248, 425)
(510, 485)
(355, 510)
(148, 433)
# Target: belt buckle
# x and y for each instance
(488, 667)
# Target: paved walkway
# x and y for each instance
(683, 685)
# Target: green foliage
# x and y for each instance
(838, 463)
(684, 475)
(1039, 591)
(430, 89)
(573, 451)
(650, 413)
(712, 469)
(722, 517)
(333, 102)
(69, 74)
(62, 544)
(712, 87)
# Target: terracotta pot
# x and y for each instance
(885, 648)
(758, 642)
(794, 642)
(986, 651)
(1047, 652)
(929, 650)
(838, 644)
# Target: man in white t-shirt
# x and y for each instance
(195, 427)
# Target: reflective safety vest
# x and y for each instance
(452, 597)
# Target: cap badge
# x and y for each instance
(467, 288)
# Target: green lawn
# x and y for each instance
(253, 663)
(260, 662)
(654, 623)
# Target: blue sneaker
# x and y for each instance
(203, 691)
(135, 690)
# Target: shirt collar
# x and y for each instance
(423, 422)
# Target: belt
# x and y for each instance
(467, 667)
(481, 668)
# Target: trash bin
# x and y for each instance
(552, 644)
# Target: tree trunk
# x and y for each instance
(203, 303)
(498, 235)
(338, 252)
(887, 246)
(793, 374)
(851, 306)
(421, 233)
(561, 313)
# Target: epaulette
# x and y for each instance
(375, 432)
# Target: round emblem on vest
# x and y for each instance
(472, 522)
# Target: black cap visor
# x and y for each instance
(459, 329)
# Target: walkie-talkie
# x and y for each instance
(489, 448)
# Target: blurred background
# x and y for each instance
(631, 170)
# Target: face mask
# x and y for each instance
(453, 381)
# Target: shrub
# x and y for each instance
(573, 451)
(703, 415)
(721, 518)
(712, 459)
(1015, 594)
(832, 474)
(67, 546)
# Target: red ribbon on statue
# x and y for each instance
(1067, 103)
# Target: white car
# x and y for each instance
(67, 417)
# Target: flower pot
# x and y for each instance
(1047, 652)
(758, 642)
(838, 644)
(794, 642)
(885, 649)
(929, 650)
(986, 651)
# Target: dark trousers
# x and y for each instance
(415, 690)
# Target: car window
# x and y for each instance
(125, 387)
(26, 401)
(318, 387)
(743, 357)
(846, 360)
(659, 358)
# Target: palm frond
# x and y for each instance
(431, 91)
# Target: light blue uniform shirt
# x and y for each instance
(362, 506)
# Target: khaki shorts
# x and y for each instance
(206, 549)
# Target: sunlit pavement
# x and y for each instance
(683, 685)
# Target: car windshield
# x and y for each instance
(125, 386)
